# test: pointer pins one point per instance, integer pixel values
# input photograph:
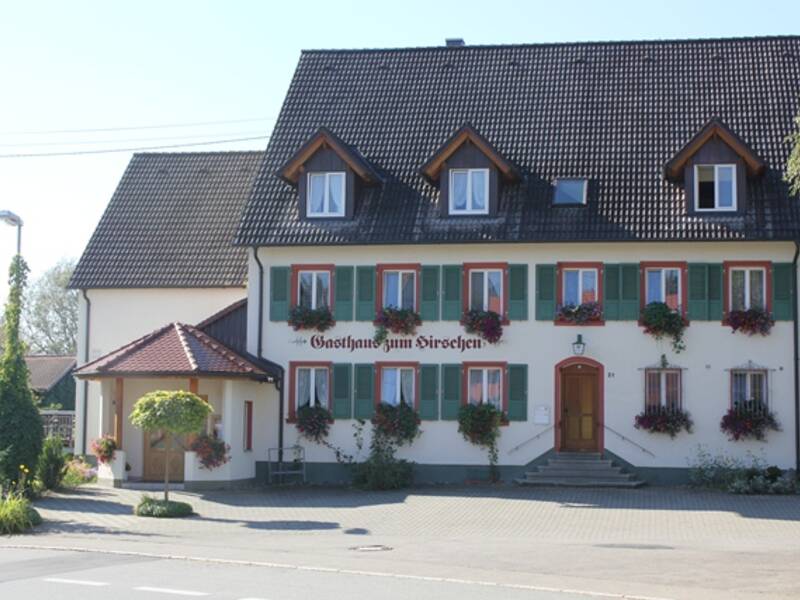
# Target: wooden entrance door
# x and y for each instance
(155, 456)
(579, 408)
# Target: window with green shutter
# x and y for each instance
(364, 391)
(429, 294)
(279, 293)
(545, 292)
(343, 294)
(518, 292)
(429, 392)
(612, 288)
(342, 391)
(451, 292)
(705, 292)
(517, 392)
(782, 291)
(365, 293)
(451, 391)
(621, 292)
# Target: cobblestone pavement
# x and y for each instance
(660, 542)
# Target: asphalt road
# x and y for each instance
(61, 575)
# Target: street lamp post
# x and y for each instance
(14, 220)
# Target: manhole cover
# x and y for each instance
(371, 548)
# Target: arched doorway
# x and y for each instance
(579, 405)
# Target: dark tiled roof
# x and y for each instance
(170, 223)
(614, 112)
(175, 349)
(46, 371)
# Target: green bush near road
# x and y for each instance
(50, 468)
(17, 515)
(162, 509)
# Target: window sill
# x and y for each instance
(592, 323)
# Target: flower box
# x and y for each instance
(753, 321)
(318, 319)
(751, 420)
(401, 321)
(586, 312)
(660, 320)
(664, 420)
(486, 324)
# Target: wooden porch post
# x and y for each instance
(118, 395)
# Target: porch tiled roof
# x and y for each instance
(174, 350)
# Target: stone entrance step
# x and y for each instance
(577, 469)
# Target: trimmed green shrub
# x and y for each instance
(383, 472)
(50, 468)
(162, 509)
(17, 515)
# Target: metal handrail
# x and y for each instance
(529, 440)
(630, 441)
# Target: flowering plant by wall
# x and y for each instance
(750, 420)
(752, 321)
(664, 420)
(211, 451)
(480, 425)
(581, 313)
(104, 448)
(319, 319)
(399, 424)
(486, 324)
(403, 321)
(660, 320)
(313, 422)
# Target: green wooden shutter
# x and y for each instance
(517, 392)
(429, 392)
(782, 291)
(365, 293)
(364, 391)
(429, 309)
(451, 292)
(342, 391)
(279, 293)
(715, 292)
(451, 391)
(343, 294)
(518, 292)
(698, 292)
(629, 292)
(545, 292)
(611, 292)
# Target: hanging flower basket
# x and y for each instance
(399, 424)
(318, 319)
(211, 451)
(749, 421)
(585, 312)
(313, 422)
(104, 448)
(753, 321)
(664, 420)
(402, 321)
(660, 320)
(480, 425)
(486, 324)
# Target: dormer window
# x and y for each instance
(715, 187)
(326, 194)
(469, 191)
(570, 191)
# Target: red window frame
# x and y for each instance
(501, 266)
(380, 269)
(296, 269)
(675, 264)
(726, 282)
(379, 366)
(662, 371)
(248, 425)
(565, 266)
(293, 366)
(502, 365)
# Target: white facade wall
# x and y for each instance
(620, 346)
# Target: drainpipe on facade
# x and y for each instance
(85, 401)
(796, 360)
(259, 345)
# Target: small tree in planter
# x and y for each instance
(749, 420)
(174, 413)
(660, 320)
(486, 324)
(104, 449)
(211, 451)
(664, 420)
(480, 425)
(752, 321)
(586, 312)
(318, 319)
(402, 321)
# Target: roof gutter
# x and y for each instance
(259, 347)
(85, 401)
(796, 341)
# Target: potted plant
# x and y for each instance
(579, 314)
(749, 420)
(664, 420)
(104, 449)
(486, 324)
(752, 321)
(660, 320)
(211, 451)
(480, 425)
(400, 423)
(318, 319)
(313, 422)
(402, 321)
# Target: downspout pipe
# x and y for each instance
(796, 340)
(260, 344)
(85, 401)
